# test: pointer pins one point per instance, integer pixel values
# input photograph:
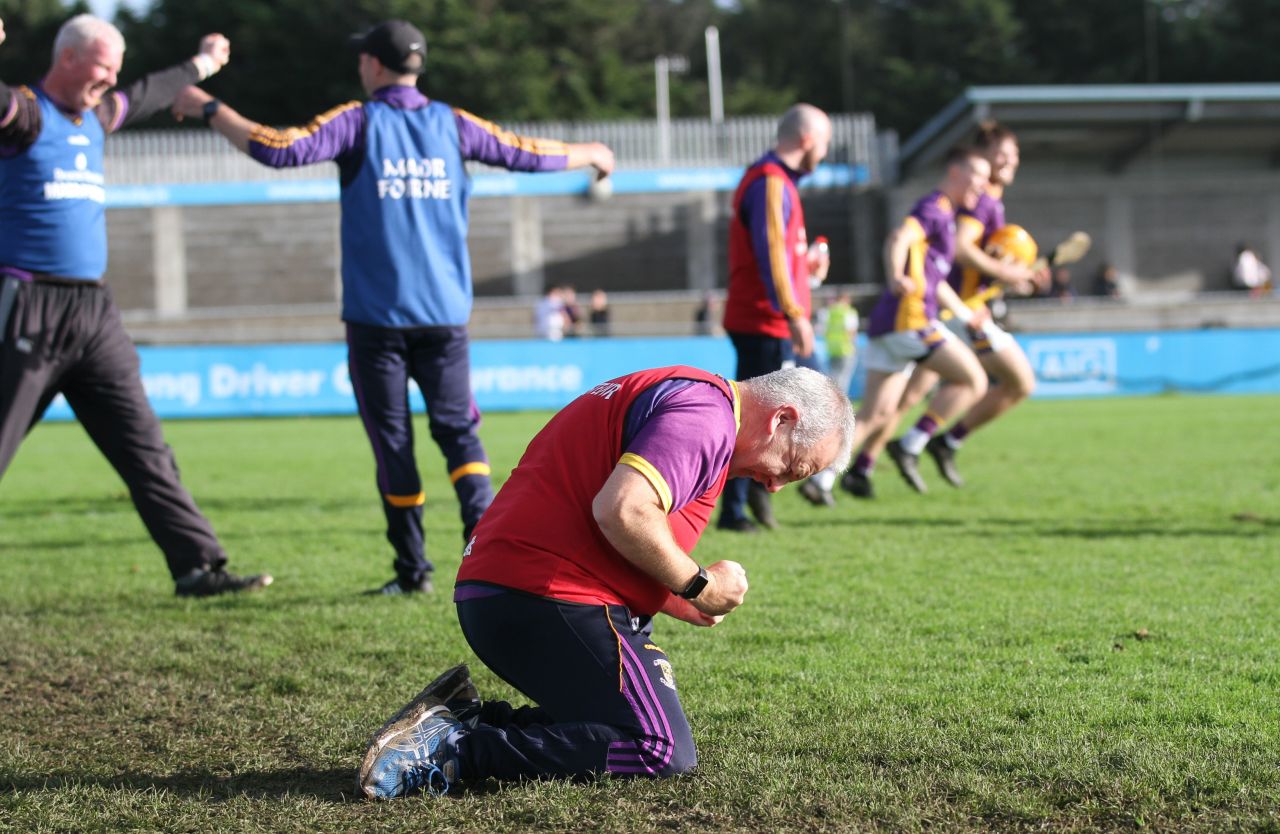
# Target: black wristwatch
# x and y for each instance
(210, 107)
(695, 585)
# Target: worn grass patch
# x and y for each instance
(1083, 639)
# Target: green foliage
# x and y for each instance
(1081, 640)
(593, 59)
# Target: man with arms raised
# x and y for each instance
(60, 331)
(406, 272)
(590, 538)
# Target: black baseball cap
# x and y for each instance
(398, 44)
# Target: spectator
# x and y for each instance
(548, 315)
(572, 311)
(839, 322)
(1106, 283)
(599, 314)
(705, 316)
(1249, 272)
(1061, 286)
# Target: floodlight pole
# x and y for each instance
(661, 79)
(714, 90)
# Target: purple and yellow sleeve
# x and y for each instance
(769, 212)
(484, 141)
(684, 444)
(332, 134)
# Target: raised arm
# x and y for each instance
(159, 90)
(325, 138)
(487, 142)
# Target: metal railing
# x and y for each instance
(197, 156)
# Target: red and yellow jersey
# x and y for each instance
(768, 253)
(540, 535)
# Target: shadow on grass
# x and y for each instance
(328, 785)
(26, 509)
(1251, 528)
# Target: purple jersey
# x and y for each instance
(339, 134)
(985, 218)
(932, 224)
(680, 436)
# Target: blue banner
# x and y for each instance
(501, 184)
(255, 380)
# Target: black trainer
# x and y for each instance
(761, 505)
(945, 457)
(858, 483)
(737, 525)
(816, 495)
(908, 466)
(211, 583)
(396, 587)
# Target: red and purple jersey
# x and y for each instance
(932, 226)
(768, 247)
(979, 223)
(676, 426)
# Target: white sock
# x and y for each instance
(914, 441)
(825, 479)
(951, 441)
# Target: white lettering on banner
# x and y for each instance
(513, 379)
(184, 388)
(227, 381)
(1074, 366)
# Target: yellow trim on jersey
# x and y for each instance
(541, 147)
(737, 406)
(477, 468)
(652, 475)
(779, 257)
(269, 137)
(969, 227)
(911, 305)
(402, 501)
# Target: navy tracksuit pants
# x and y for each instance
(381, 362)
(757, 356)
(606, 695)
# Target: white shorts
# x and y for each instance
(895, 352)
(990, 338)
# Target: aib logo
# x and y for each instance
(1074, 366)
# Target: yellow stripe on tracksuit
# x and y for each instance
(652, 475)
(269, 137)
(779, 257)
(403, 501)
(541, 147)
(477, 468)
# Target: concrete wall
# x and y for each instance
(175, 263)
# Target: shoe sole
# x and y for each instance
(415, 713)
(819, 500)
(945, 468)
(435, 694)
(897, 453)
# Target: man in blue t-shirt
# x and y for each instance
(406, 272)
(60, 330)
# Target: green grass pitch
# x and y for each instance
(1085, 638)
